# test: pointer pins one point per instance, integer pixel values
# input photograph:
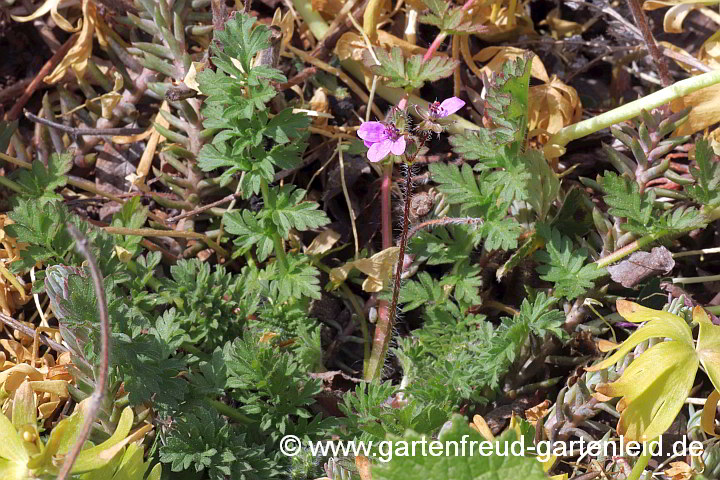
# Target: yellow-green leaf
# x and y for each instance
(24, 410)
(653, 329)
(654, 388)
(708, 345)
(97, 456)
(11, 447)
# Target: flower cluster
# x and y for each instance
(383, 138)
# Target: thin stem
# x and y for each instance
(385, 205)
(640, 464)
(556, 145)
(347, 198)
(434, 46)
(90, 414)
(702, 279)
(230, 412)
(277, 240)
(441, 222)
(198, 210)
(83, 131)
(383, 328)
(629, 248)
(151, 232)
(12, 323)
(442, 35)
(658, 59)
(10, 184)
(383, 331)
(403, 242)
(688, 253)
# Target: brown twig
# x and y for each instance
(338, 27)
(686, 59)
(13, 91)
(45, 340)
(14, 113)
(78, 132)
(297, 79)
(204, 207)
(660, 63)
(81, 244)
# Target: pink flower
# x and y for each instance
(447, 107)
(381, 139)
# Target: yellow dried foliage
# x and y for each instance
(480, 425)
(351, 45)
(560, 28)
(323, 242)
(320, 103)
(708, 413)
(502, 19)
(680, 471)
(50, 385)
(679, 10)
(13, 292)
(378, 268)
(704, 110)
(19, 360)
(78, 55)
(328, 8)
(533, 414)
(704, 102)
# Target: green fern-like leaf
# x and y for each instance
(564, 265)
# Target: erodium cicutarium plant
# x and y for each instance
(387, 141)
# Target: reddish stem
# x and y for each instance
(434, 46)
(383, 327)
(385, 206)
(442, 35)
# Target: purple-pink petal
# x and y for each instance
(379, 150)
(372, 131)
(368, 143)
(451, 105)
(398, 146)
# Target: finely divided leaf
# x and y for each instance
(623, 196)
(564, 264)
(706, 174)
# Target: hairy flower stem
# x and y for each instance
(383, 327)
(556, 145)
(383, 330)
(96, 399)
